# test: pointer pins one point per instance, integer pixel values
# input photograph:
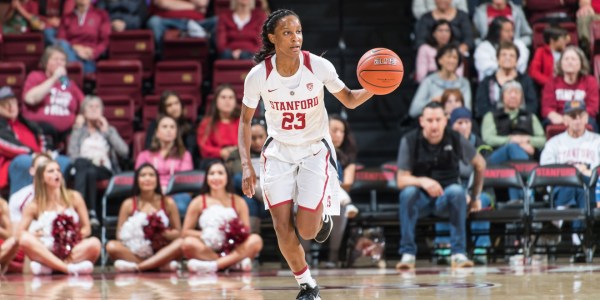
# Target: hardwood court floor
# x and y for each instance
(492, 282)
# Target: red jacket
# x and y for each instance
(541, 68)
(175, 14)
(248, 38)
(93, 32)
(222, 135)
(556, 92)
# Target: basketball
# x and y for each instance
(380, 71)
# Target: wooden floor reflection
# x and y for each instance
(556, 282)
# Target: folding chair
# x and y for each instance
(558, 175)
(502, 177)
(119, 189)
(186, 182)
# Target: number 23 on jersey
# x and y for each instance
(293, 121)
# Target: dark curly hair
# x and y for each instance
(268, 48)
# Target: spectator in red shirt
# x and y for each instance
(84, 34)
(23, 16)
(541, 68)
(50, 98)
(19, 138)
(238, 30)
(174, 14)
(217, 133)
(589, 10)
(571, 83)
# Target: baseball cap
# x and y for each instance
(459, 113)
(573, 106)
(6, 93)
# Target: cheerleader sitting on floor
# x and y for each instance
(148, 229)
(8, 244)
(55, 228)
(217, 225)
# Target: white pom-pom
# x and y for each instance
(211, 220)
(132, 235)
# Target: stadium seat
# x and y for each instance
(120, 77)
(139, 141)
(119, 189)
(150, 108)
(232, 72)
(543, 10)
(12, 74)
(182, 77)
(178, 47)
(119, 111)
(133, 44)
(186, 182)
(378, 187)
(538, 33)
(75, 73)
(26, 48)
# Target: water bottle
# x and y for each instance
(64, 82)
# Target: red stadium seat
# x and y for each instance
(182, 77)
(139, 139)
(133, 44)
(177, 47)
(150, 108)
(120, 77)
(538, 33)
(26, 48)
(12, 74)
(119, 112)
(232, 72)
(75, 72)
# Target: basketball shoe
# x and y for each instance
(325, 230)
(308, 293)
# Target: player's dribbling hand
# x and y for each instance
(248, 180)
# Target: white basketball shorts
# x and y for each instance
(304, 174)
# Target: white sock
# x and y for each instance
(202, 266)
(174, 265)
(39, 269)
(81, 268)
(304, 277)
(124, 266)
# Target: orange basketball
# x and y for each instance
(380, 71)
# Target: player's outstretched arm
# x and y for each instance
(353, 98)
(244, 140)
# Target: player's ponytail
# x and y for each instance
(268, 48)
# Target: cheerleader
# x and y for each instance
(148, 229)
(8, 244)
(216, 226)
(55, 227)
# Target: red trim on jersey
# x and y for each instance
(268, 65)
(305, 54)
(301, 271)
(278, 204)
(307, 64)
(310, 209)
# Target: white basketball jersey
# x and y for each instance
(295, 115)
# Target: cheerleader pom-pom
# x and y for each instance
(235, 234)
(66, 235)
(154, 230)
(132, 235)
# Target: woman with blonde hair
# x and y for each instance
(55, 229)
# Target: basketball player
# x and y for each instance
(297, 164)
